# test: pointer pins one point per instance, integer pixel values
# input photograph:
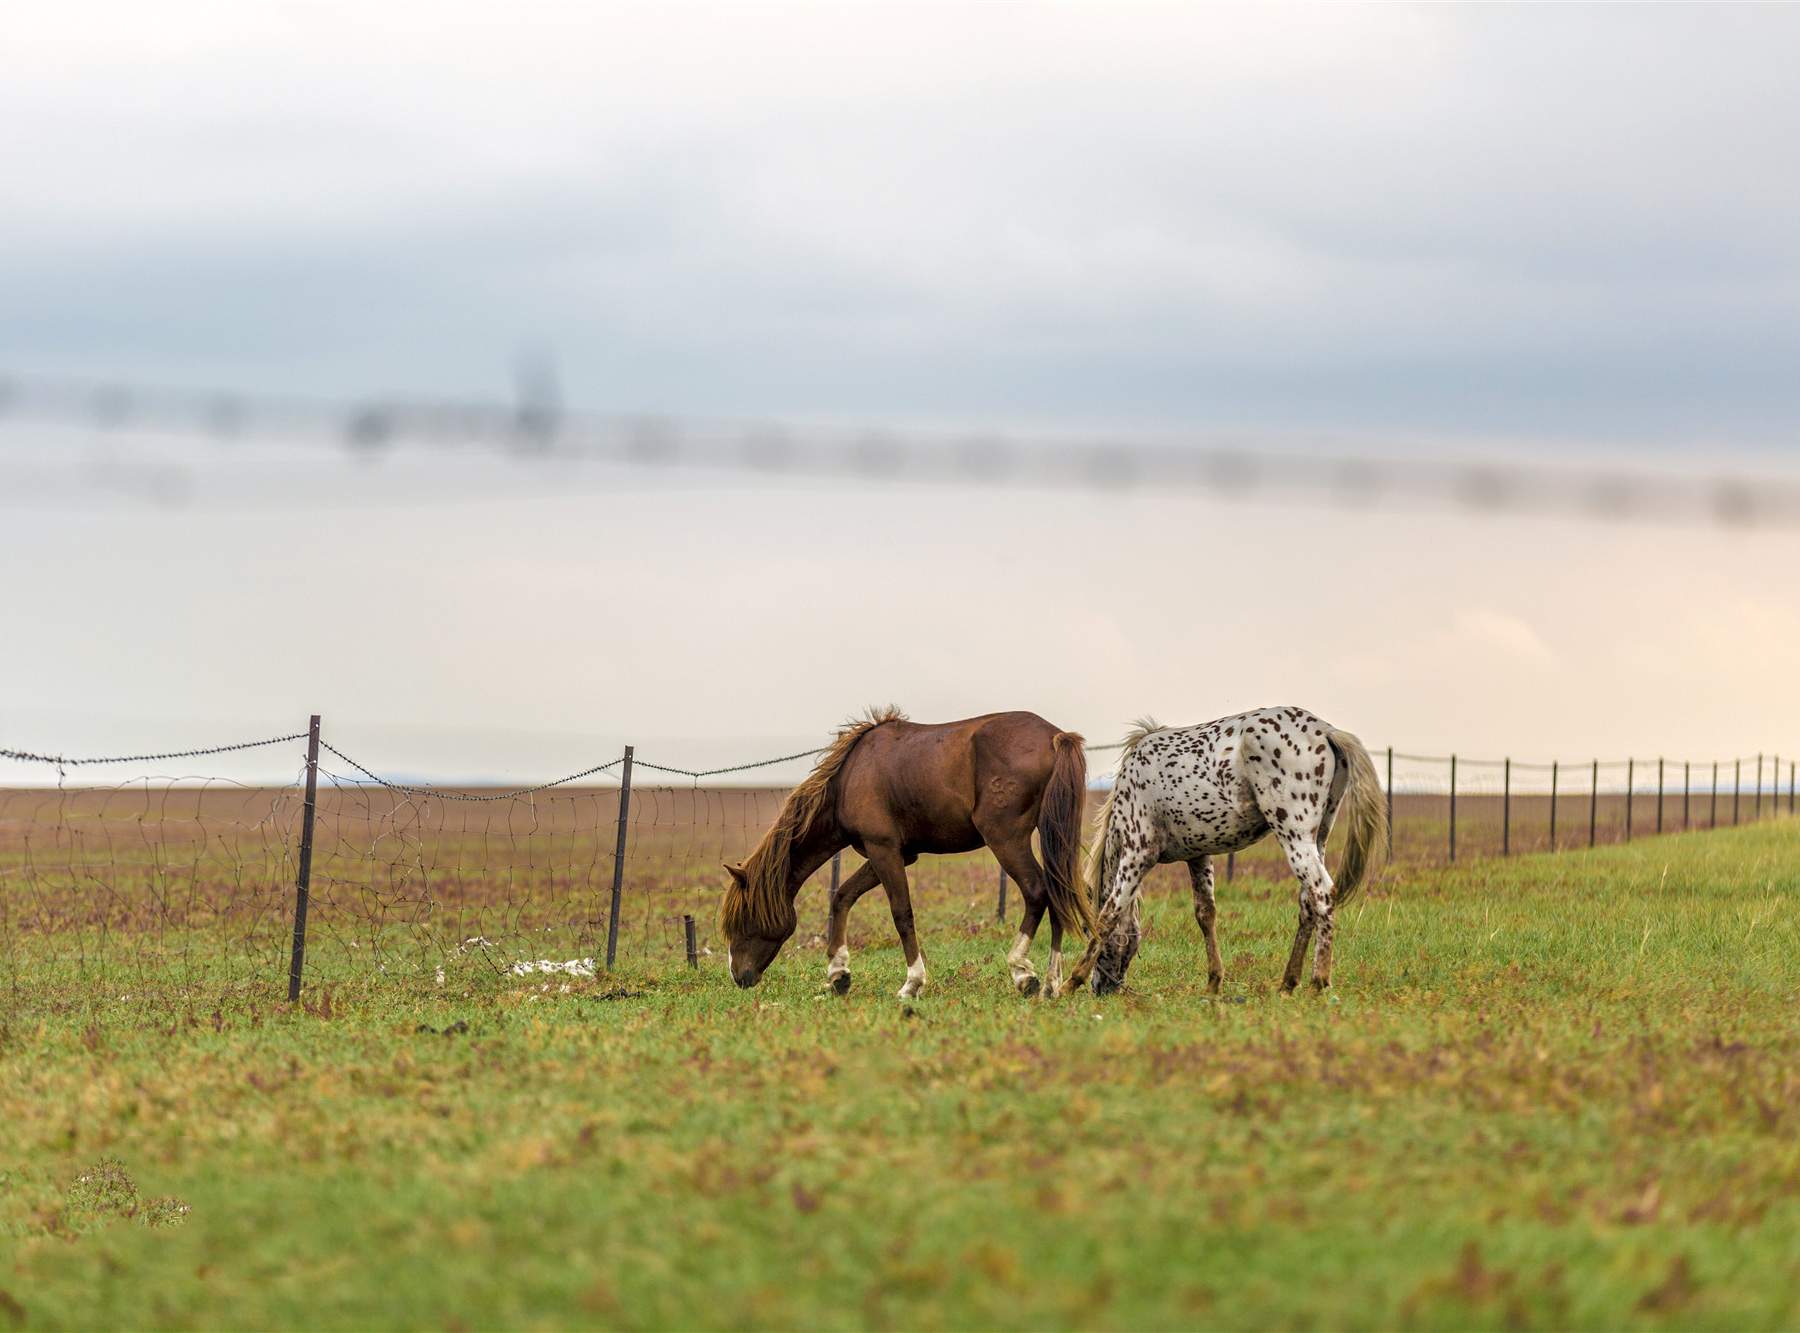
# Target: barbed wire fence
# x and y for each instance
(168, 888)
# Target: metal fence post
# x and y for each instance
(1756, 811)
(1594, 804)
(1712, 819)
(1687, 769)
(1230, 866)
(1453, 809)
(1737, 788)
(1390, 799)
(1000, 911)
(693, 945)
(618, 887)
(1790, 786)
(837, 872)
(1506, 809)
(303, 880)
(1659, 794)
(1554, 765)
(1630, 782)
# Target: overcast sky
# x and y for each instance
(1569, 229)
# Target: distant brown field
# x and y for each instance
(120, 879)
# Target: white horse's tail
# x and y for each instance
(1099, 863)
(1365, 809)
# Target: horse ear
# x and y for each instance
(736, 872)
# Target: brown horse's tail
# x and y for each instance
(1059, 835)
(1365, 807)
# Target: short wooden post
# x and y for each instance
(1453, 808)
(1553, 775)
(1594, 804)
(1000, 910)
(1630, 782)
(1506, 809)
(1659, 794)
(303, 880)
(618, 884)
(693, 944)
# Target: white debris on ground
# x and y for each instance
(574, 967)
(440, 976)
(475, 942)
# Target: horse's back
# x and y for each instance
(1198, 781)
(922, 781)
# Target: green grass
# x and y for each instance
(1547, 1092)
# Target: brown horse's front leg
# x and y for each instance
(890, 865)
(837, 938)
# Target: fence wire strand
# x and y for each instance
(162, 890)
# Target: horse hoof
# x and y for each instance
(1028, 987)
(841, 983)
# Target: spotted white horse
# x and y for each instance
(1193, 793)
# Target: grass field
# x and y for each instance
(1552, 1091)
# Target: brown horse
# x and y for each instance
(895, 790)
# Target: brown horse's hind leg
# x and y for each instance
(1013, 852)
(890, 865)
(837, 940)
(1206, 911)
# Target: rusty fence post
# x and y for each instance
(1230, 866)
(693, 944)
(1756, 810)
(1506, 808)
(1630, 793)
(1659, 794)
(1737, 788)
(1554, 767)
(1713, 817)
(1687, 773)
(1453, 809)
(1594, 804)
(1000, 911)
(1390, 801)
(618, 884)
(303, 879)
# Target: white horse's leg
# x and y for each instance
(1120, 925)
(1200, 870)
(1315, 910)
(1291, 778)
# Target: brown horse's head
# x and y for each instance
(757, 918)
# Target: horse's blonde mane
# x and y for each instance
(1141, 729)
(760, 905)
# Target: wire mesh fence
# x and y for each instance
(157, 889)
